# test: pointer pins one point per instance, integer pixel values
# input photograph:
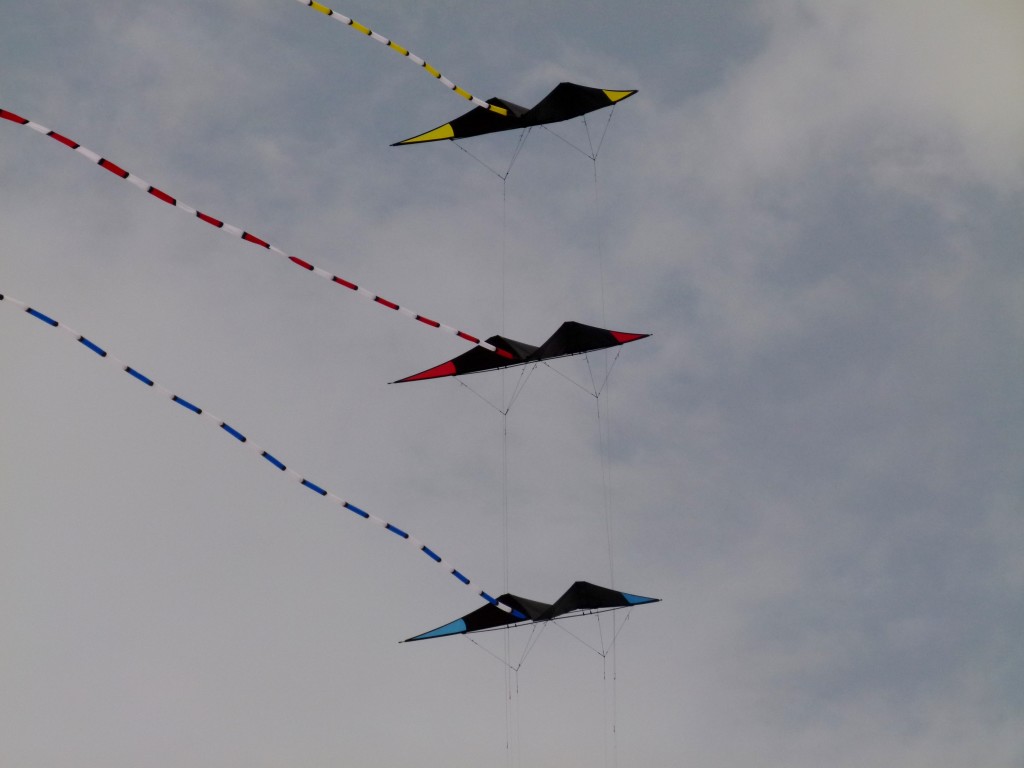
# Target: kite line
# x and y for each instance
(269, 457)
(404, 52)
(162, 196)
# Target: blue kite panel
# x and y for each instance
(456, 627)
(638, 599)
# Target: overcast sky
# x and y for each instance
(815, 461)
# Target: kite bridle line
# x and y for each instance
(404, 52)
(269, 457)
(159, 194)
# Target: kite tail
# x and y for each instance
(259, 451)
(159, 194)
(404, 52)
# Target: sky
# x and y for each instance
(814, 461)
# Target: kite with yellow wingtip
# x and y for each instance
(566, 101)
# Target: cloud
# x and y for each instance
(814, 460)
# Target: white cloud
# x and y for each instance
(813, 461)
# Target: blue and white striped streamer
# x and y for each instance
(270, 458)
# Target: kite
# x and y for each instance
(582, 597)
(571, 338)
(497, 109)
(496, 604)
(565, 102)
(162, 196)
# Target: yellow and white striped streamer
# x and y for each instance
(405, 52)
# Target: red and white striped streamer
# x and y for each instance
(164, 197)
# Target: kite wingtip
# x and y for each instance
(616, 96)
(623, 337)
(438, 371)
(437, 134)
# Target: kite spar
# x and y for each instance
(496, 604)
(159, 194)
(496, 109)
